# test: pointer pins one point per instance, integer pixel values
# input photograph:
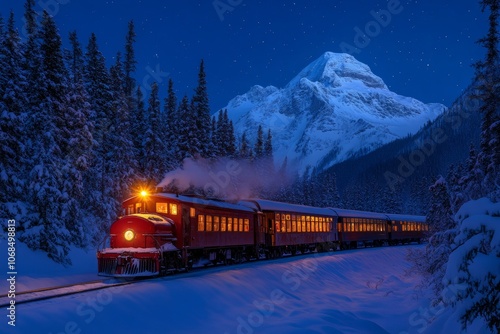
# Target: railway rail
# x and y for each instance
(60, 291)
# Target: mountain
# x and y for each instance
(333, 110)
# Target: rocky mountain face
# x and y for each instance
(333, 110)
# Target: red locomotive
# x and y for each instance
(166, 232)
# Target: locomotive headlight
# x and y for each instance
(129, 235)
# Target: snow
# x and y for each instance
(358, 291)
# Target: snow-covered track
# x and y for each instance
(60, 291)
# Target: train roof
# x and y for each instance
(393, 216)
(358, 214)
(267, 205)
(204, 201)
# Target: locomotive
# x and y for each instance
(165, 232)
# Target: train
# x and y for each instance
(161, 233)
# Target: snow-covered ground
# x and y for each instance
(359, 291)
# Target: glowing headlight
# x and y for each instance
(129, 235)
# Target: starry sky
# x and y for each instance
(424, 49)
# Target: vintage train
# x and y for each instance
(165, 232)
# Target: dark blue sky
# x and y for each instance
(424, 50)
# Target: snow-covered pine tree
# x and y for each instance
(231, 147)
(129, 63)
(13, 103)
(99, 201)
(472, 271)
(154, 148)
(201, 113)
(138, 128)
(213, 138)
(431, 262)
(219, 137)
(78, 134)
(245, 151)
(121, 166)
(47, 213)
(187, 131)
(171, 126)
(474, 262)
(259, 144)
(488, 89)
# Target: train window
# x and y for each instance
(223, 224)
(209, 223)
(288, 224)
(138, 207)
(201, 223)
(130, 209)
(173, 209)
(216, 223)
(294, 226)
(240, 221)
(230, 224)
(278, 216)
(192, 212)
(278, 226)
(299, 225)
(303, 224)
(247, 225)
(161, 207)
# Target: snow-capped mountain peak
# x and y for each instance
(337, 69)
(334, 109)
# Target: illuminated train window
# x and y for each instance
(201, 223)
(216, 223)
(173, 209)
(209, 223)
(223, 224)
(230, 224)
(161, 207)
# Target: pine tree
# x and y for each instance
(120, 163)
(130, 62)
(45, 228)
(231, 146)
(171, 125)
(488, 78)
(431, 262)
(139, 126)
(245, 152)
(188, 140)
(99, 200)
(201, 112)
(12, 114)
(214, 146)
(154, 148)
(259, 144)
(78, 133)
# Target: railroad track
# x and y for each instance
(60, 291)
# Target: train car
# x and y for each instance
(290, 228)
(361, 228)
(174, 232)
(404, 229)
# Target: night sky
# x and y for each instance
(425, 50)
